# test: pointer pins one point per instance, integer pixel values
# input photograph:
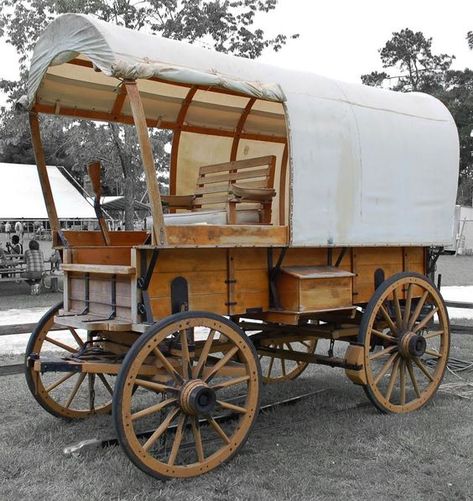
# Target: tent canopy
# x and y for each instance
(355, 165)
(21, 196)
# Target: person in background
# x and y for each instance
(15, 247)
(34, 261)
(8, 228)
(19, 228)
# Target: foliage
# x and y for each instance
(225, 26)
(469, 37)
(416, 68)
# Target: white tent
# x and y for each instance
(21, 196)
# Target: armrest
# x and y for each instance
(178, 201)
(252, 194)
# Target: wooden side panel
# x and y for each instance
(366, 260)
(100, 295)
(251, 275)
(325, 293)
(206, 273)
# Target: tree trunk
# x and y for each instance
(128, 175)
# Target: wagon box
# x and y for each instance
(299, 208)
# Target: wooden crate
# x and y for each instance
(313, 288)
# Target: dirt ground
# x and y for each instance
(456, 270)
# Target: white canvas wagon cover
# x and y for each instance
(366, 166)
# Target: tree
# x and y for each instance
(416, 68)
(469, 37)
(225, 26)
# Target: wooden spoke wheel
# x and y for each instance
(197, 411)
(277, 370)
(406, 336)
(69, 395)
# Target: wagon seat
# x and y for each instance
(237, 192)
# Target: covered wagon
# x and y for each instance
(299, 208)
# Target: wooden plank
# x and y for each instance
(43, 172)
(101, 255)
(312, 272)
(149, 166)
(282, 185)
(227, 236)
(12, 369)
(199, 282)
(100, 269)
(10, 330)
(233, 176)
(94, 238)
(237, 165)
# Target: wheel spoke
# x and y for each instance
(57, 343)
(197, 439)
(105, 383)
(221, 363)
(392, 326)
(203, 355)
(177, 439)
(385, 368)
(283, 364)
(59, 381)
(157, 387)
(74, 391)
(153, 409)
(91, 382)
(382, 335)
(185, 356)
(76, 337)
(161, 429)
(392, 380)
(413, 378)
(417, 310)
(382, 353)
(218, 429)
(270, 367)
(433, 353)
(230, 382)
(167, 365)
(397, 309)
(402, 382)
(426, 319)
(432, 334)
(423, 368)
(232, 407)
(407, 309)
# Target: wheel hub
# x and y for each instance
(412, 345)
(197, 398)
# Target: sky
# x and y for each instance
(341, 38)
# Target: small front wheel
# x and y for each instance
(197, 381)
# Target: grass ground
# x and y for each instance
(333, 445)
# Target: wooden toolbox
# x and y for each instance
(312, 288)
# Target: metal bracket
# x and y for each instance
(273, 273)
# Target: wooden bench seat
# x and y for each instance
(241, 190)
